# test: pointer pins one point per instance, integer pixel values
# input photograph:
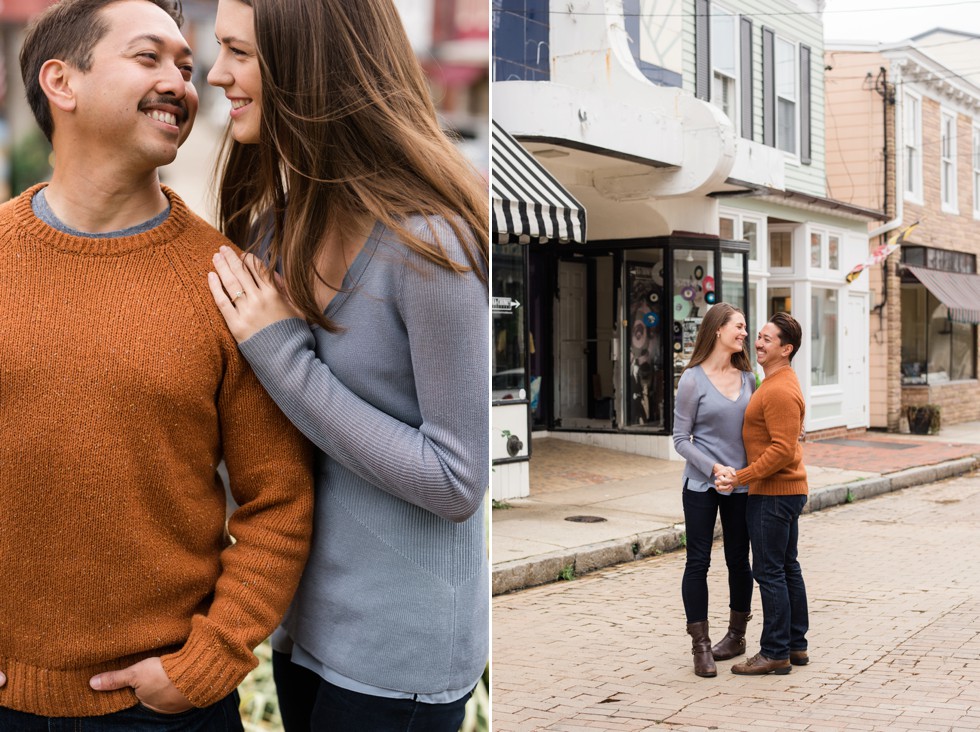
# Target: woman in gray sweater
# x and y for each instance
(372, 338)
(712, 395)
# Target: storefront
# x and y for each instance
(940, 309)
(530, 210)
(614, 324)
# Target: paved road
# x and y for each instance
(894, 585)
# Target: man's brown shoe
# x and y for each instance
(759, 665)
(799, 658)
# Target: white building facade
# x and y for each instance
(691, 134)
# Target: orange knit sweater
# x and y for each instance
(120, 392)
(771, 434)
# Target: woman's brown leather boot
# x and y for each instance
(704, 662)
(733, 644)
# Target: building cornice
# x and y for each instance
(923, 72)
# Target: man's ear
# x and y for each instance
(55, 79)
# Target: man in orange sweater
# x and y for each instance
(125, 604)
(777, 493)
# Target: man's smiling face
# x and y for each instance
(137, 96)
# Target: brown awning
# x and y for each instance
(960, 293)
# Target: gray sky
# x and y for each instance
(895, 20)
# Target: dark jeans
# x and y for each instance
(774, 525)
(700, 511)
(220, 717)
(310, 704)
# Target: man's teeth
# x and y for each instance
(165, 117)
(239, 103)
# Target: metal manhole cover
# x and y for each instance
(585, 519)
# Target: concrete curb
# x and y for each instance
(519, 574)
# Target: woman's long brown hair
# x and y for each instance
(348, 129)
(716, 318)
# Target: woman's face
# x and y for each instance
(732, 335)
(236, 69)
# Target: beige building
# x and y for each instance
(903, 136)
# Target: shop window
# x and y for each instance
(694, 294)
(823, 337)
(647, 318)
(935, 350)
(508, 375)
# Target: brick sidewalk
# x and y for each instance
(882, 453)
(894, 585)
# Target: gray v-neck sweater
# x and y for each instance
(396, 591)
(708, 427)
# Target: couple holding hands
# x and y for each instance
(744, 461)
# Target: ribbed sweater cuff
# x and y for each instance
(206, 669)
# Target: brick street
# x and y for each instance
(894, 590)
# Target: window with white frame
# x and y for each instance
(816, 249)
(833, 251)
(740, 227)
(976, 170)
(823, 337)
(947, 161)
(825, 250)
(787, 92)
(724, 60)
(912, 159)
(780, 249)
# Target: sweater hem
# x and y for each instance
(63, 692)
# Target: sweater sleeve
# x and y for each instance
(783, 413)
(441, 465)
(685, 417)
(270, 470)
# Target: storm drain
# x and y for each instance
(586, 519)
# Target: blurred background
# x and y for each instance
(451, 39)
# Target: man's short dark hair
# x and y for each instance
(68, 31)
(790, 332)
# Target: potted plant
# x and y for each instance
(923, 419)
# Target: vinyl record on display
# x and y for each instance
(651, 319)
(688, 293)
(682, 308)
(677, 346)
(698, 272)
(677, 329)
(709, 297)
(654, 298)
(708, 284)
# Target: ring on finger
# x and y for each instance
(240, 293)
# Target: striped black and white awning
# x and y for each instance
(529, 205)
